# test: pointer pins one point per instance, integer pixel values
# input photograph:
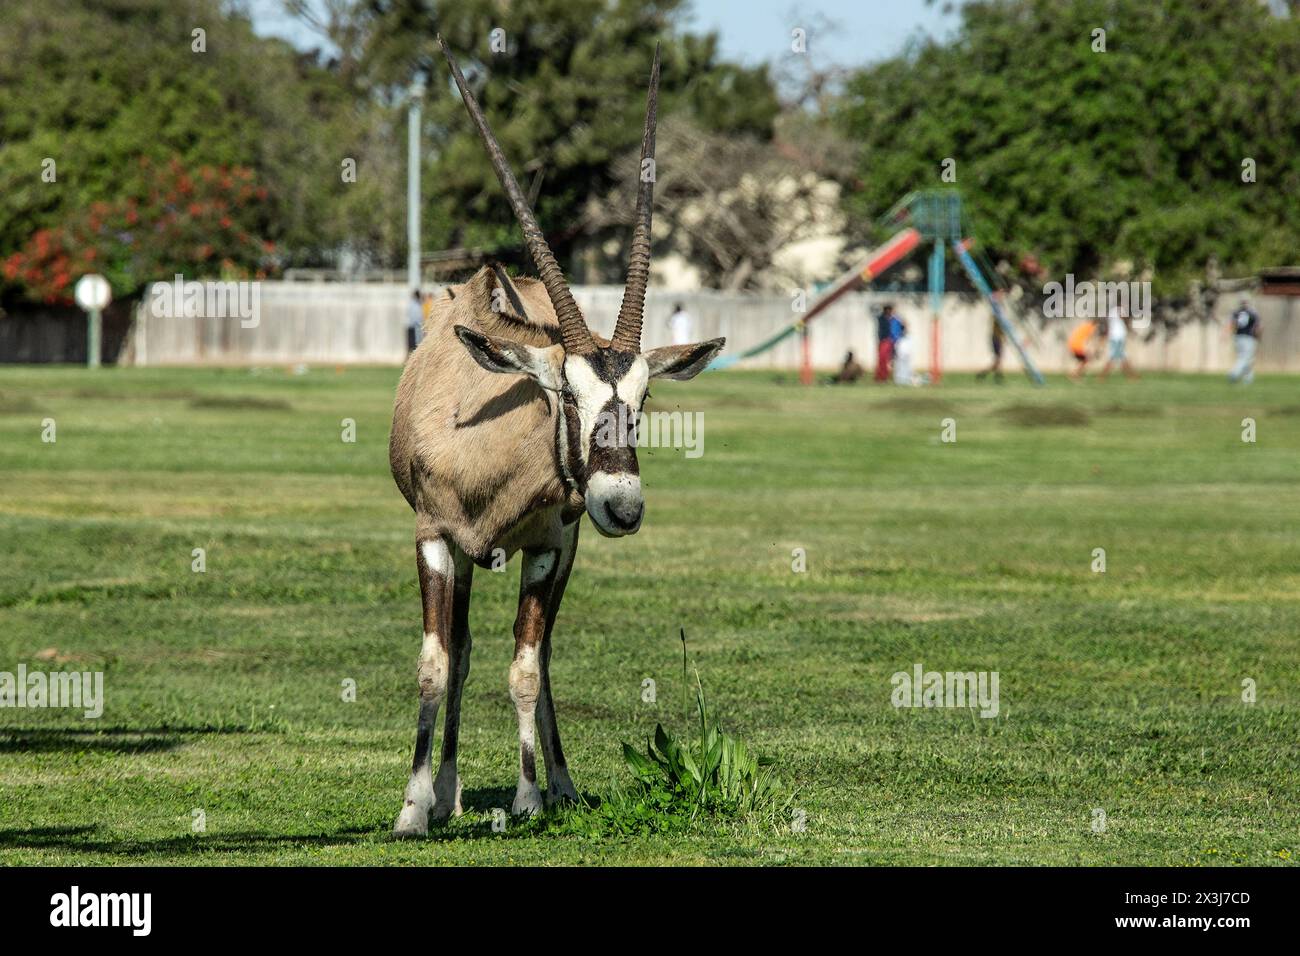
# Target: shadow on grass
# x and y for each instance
(84, 839)
(121, 740)
(486, 806)
(91, 839)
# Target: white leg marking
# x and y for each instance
(419, 799)
(433, 669)
(413, 821)
(525, 684)
(437, 557)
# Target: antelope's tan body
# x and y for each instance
(474, 452)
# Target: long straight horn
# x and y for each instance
(573, 329)
(627, 331)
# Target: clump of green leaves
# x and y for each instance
(676, 782)
(714, 773)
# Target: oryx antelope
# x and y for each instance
(500, 442)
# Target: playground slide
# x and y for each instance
(880, 260)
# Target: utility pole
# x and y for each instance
(413, 184)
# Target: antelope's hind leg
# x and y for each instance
(437, 585)
(446, 785)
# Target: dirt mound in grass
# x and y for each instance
(1133, 411)
(927, 404)
(16, 404)
(1034, 415)
(242, 401)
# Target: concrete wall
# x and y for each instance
(364, 323)
(313, 322)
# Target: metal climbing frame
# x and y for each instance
(937, 215)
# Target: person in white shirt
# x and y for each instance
(903, 357)
(680, 326)
(1117, 343)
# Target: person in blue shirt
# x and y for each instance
(896, 328)
(886, 335)
(1245, 336)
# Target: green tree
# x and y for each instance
(1087, 158)
(562, 83)
(96, 88)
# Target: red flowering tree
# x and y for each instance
(168, 220)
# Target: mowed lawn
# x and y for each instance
(1120, 692)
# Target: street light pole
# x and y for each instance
(93, 326)
(413, 185)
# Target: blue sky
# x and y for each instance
(839, 31)
(751, 31)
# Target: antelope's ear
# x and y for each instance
(682, 362)
(515, 358)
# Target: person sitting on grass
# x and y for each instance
(849, 372)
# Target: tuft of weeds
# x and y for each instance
(677, 783)
(715, 773)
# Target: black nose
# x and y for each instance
(624, 518)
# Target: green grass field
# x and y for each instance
(1119, 691)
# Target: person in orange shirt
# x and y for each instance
(1079, 341)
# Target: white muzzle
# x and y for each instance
(614, 503)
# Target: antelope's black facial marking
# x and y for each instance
(610, 366)
(568, 441)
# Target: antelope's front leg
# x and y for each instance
(437, 581)
(535, 586)
(558, 785)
